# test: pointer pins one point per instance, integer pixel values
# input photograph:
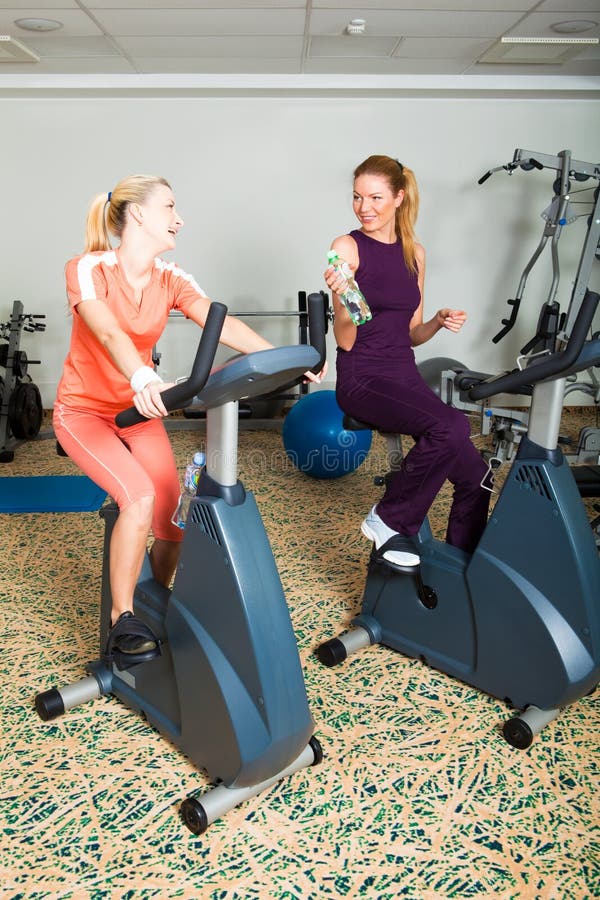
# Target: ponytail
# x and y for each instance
(406, 217)
(96, 231)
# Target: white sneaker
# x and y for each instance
(375, 529)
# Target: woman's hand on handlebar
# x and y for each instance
(318, 377)
(148, 402)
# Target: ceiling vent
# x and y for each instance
(12, 51)
(535, 50)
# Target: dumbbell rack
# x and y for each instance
(21, 410)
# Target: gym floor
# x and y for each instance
(418, 795)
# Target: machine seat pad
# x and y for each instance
(587, 479)
(352, 424)
(464, 381)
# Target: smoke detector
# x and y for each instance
(356, 26)
(35, 24)
(573, 26)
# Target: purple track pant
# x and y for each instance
(442, 450)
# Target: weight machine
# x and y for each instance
(506, 427)
(552, 324)
(21, 411)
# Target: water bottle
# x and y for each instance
(352, 297)
(190, 485)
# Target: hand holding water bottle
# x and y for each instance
(348, 292)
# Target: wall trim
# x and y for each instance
(186, 85)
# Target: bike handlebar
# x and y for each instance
(548, 366)
(316, 327)
(181, 395)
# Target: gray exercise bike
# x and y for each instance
(520, 617)
(228, 688)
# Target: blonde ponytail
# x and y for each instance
(96, 232)
(406, 217)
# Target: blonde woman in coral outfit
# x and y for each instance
(120, 300)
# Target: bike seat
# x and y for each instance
(352, 424)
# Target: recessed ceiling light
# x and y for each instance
(574, 26)
(38, 24)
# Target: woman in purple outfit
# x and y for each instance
(377, 377)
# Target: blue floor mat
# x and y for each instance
(49, 493)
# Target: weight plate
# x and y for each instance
(25, 411)
(19, 365)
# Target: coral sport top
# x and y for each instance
(90, 379)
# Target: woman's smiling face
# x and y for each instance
(160, 218)
(375, 204)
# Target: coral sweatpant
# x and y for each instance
(128, 463)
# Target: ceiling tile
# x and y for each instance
(415, 23)
(12, 51)
(75, 22)
(466, 49)
(40, 8)
(351, 47)
(196, 4)
(388, 66)
(217, 65)
(201, 22)
(567, 7)
(88, 65)
(351, 6)
(582, 68)
(538, 25)
(266, 46)
(50, 46)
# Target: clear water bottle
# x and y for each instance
(190, 485)
(352, 297)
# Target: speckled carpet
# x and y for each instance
(418, 795)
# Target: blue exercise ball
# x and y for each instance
(316, 441)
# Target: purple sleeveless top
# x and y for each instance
(383, 344)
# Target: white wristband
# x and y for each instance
(142, 377)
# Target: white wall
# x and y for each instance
(264, 184)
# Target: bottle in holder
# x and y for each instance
(190, 485)
(352, 297)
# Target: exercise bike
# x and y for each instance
(228, 688)
(520, 617)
